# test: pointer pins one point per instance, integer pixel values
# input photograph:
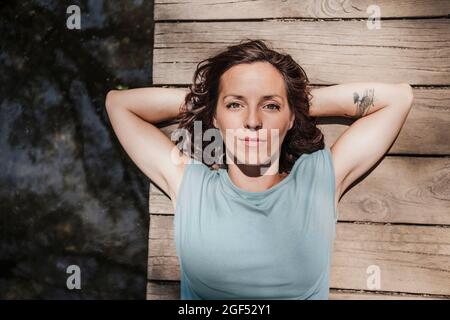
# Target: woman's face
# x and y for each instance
(252, 104)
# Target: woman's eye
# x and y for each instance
(229, 106)
(274, 106)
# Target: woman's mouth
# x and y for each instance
(252, 142)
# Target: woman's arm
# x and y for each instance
(380, 110)
(357, 99)
(153, 105)
(132, 114)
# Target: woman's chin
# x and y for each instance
(253, 160)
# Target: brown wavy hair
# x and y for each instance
(201, 101)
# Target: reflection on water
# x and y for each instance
(69, 194)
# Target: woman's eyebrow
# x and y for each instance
(266, 97)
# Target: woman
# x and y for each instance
(257, 222)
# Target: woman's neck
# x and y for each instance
(255, 178)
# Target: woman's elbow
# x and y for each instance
(408, 94)
(110, 98)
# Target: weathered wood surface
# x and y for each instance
(322, 9)
(425, 132)
(412, 259)
(413, 51)
(411, 185)
(170, 290)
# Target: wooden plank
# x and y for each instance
(217, 9)
(401, 190)
(413, 51)
(170, 290)
(412, 259)
(425, 131)
(364, 295)
(411, 190)
(157, 290)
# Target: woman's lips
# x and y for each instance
(253, 142)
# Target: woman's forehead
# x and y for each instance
(252, 82)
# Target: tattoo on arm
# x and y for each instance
(362, 103)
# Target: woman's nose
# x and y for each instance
(253, 121)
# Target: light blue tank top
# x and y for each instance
(274, 244)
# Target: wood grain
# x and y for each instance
(413, 51)
(170, 290)
(323, 9)
(410, 187)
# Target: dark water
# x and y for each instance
(69, 195)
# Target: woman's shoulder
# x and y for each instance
(194, 177)
(314, 157)
(309, 166)
(195, 171)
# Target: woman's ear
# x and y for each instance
(214, 122)
(292, 122)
